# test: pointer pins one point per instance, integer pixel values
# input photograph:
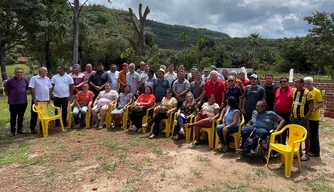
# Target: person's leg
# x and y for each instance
(57, 102)
(197, 133)
(202, 123)
(64, 105)
(180, 123)
(75, 113)
(227, 135)
(33, 119)
(103, 113)
(248, 117)
(245, 133)
(84, 110)
(259, 133)
(95, 110)
(20, 116)
(305, 123)
(13, 110)
(314, 138)
(219, 130)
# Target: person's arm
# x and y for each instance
(243, 102)
(280, 122)
(172, 109)
(71, 86)
(221, 115)
(319, 100)
(236, 117)
(32, 91)
(129, 103)
(217, 113)
(311, 107)
(77, 102)
(7, 88)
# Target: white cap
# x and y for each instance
(253, 76)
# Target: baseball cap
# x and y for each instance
(162, 70)
(253, 76)
(125, 64)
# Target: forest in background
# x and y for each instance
(44, 32)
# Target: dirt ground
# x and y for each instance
(117, 160)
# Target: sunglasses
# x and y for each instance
(282, 81)
(230, 80)
(168, 92)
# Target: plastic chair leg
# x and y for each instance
(298, 159)
(269, 151)
(69, 119)
(87, 120)
(61, 124)
(216, 140)
(38, 126)
(236, 142)
(45, 128)
(288, 164)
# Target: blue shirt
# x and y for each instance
(159, 88)
(229, 114)
(266, 119)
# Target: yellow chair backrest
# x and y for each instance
(42, 108)
(296, 133)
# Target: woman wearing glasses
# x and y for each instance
(162, 111)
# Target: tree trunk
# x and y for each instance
(76, 12)
(2, 62)
(48, 58)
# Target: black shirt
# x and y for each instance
(270, 96)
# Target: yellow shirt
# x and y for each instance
(317, 98)
(169, 103)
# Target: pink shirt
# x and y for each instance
(86, 76)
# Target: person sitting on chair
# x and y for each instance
(262, 122)
(83, 103)
(139, 108)
(189, 107)
(231, 123)
(102, 104)
(209, 113)
(162, 111)
(123, 101)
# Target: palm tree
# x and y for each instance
(254, 40)
(184, 38)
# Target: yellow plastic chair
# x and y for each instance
(70, 116)
(185, 126)
(145, 118)
(210, 131)
(108, 117)
(125, 116)
(44, 117)
(297, 134)
(167, 122)
(236, 135)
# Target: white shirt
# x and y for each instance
(114, 80)
(42, 87)
(170, 77)
(132, 79)
(61, 85)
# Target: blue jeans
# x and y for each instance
(180, 123)
(76, 112)
(259, 133)
(225, 140)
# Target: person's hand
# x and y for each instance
(210, 119)
(79, 108)
(219, 119)
(69, 98)
(168, 112)
(177, 96)
(225, 130)
(89, 107)
(305, 118)
(243, 111)
(35, 102)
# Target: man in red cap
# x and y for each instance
(122, 76)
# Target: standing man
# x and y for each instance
(98, 80)
(252, 94)
(302, 107)
(133, 79)
(122, 76)
(78, 78)
(205, 75)
(225, 73)
(114, 77)
(283, 103)
(142, 72)
(314, 117)
(160, 86)
(216, 87)
(63, 88)
(16, 90)
(41, 90)
(170, 75)
(180, 88)
(232, 89)
(89, 71)
(270, 90)
(196, 86)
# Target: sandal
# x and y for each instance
(313, 155)
(182, 132)
(221, 149)
(304, 158)
(176, 137)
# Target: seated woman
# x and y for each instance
(188, 107)
(209, 113)
(102, 104)
(231, 123)
(83, 103)
(167, 106)
(123, 101)
(139, 108)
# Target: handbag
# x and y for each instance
(137, 108)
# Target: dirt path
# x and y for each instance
(91, 160)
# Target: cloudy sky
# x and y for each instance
(237, 18)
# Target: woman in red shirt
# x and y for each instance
(139, 108)
(84, 100)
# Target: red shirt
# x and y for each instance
(217, 90)
(146, 98)
(85, 98)
(283, 100)
(245, 82)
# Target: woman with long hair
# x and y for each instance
(230, 125)
(122, 102)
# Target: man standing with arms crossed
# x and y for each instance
(16, 90)
(41, 90)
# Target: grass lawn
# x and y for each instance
(10, 69)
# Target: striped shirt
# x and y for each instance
(300, 103)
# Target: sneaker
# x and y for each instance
(100, 125)
(145, 125)
(96, 125)
(139, 130)
(182, 132)
(176, 137)
(152, 136)
(253, 151)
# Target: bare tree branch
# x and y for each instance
(82, 6)
(140, 11)
(70, 4)
(147, 11)
(13, 45)
(134, 23)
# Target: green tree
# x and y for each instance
(320, 41)
(254, 40)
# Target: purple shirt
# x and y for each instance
(17, 90)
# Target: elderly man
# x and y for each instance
(63, 88)
(16, 90)
(122, 76)
(180, 88)
(160, 86)
(133, 79)
(252, 94)
(41, 90)
(232, 89)
(302, 107)
(98, 80)
(205, 75)
(114, 77)
(78, 78)
(88, 72)
(262, 121)
(314, 117)
(236, 81)
(215, 87)
(170, 75)
(141, 71)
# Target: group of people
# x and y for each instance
(210, 97)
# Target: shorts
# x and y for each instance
(118, 111)
(98, 107)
